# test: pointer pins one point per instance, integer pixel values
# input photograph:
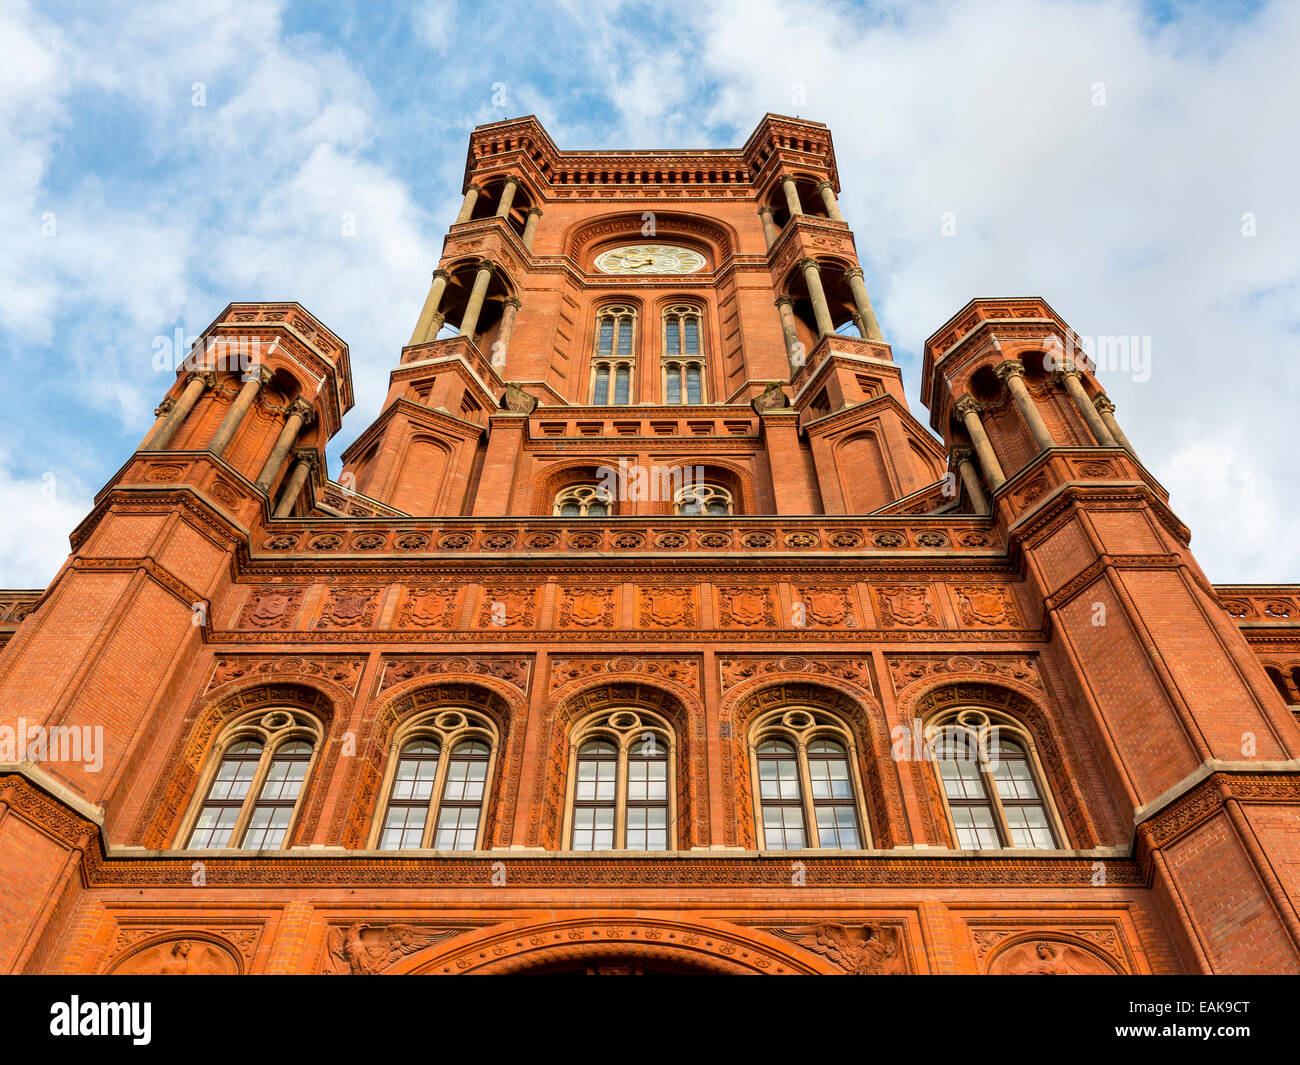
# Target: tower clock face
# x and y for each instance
(649, 259)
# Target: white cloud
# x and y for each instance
(41, 512)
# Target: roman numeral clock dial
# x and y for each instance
(649, 259)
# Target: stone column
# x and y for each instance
(828, 198)
(1012, 374)
(467, 207)
(812, 276)
(469, 321)
(424, 327)
(961, 457)
(785, 305)
(300, 414)
(303, 464)
(791, 195)
(1107, 411)
(870, 327)
(171, 418)
(230, 423)
(507, 197)
(770, 232)
(1070, 378)
(508, 311)
(968, 410)
(530, 227)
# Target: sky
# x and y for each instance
(1135, 164)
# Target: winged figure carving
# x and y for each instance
(860, 950)
(361, 954)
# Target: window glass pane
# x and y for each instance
(622, 379)
(597, 510)
(975, 828)
(600, 395)
(1029, 827)
(672, 335)
(674, 384)
(625, 336)
(692, 335)
(694, 387)
(605, 342)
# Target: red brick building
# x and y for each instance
(646, 630)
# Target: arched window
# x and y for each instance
(809, 794)
(703, 499)
(437, 784)
(614, 357)
(683, 355)
(620, 784)
(583, 501)
(251, 793)
(991, 782)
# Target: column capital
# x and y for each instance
(262, 376)
(535, 211)
(208, 377)
(810, 261)
(1103, 404)
(441, 273)
(1066, 373)
(303, 409)
(765, 210)
(783, 301)
(488, 265)
(165, 407)
(967, 405)
(961, 453)
(512, 179)
(511, 301)
(787, 177)
(1010, 368)
(474, 186)
(824, 184)
(308, 457)
(854, 271)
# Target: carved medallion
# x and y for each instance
(271, 608)
(668, 607)
(907, 606)
(349, 608)
(427, 608)
(587, 607)
(746, 607)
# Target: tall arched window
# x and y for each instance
(582, 501)
(992, 783)
(683, 355)
(437, 783)
(614, 357)
(809, 794)
(252, 790)
(703, 499)
(620, 784)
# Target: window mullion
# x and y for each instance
(250, 796)
(995, 804)
(620, 799)
(435, 796)
(811, 838)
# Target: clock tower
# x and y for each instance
(646, 630)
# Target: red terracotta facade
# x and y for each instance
(861, 578)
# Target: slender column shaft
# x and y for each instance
(788, 327)
(506, 331)
(163, 431)
(812, 275)
(870, 327)
(1107, 411)
(231, 422)
(469, 323)
(507, 197)
(530, 227)
(791, 196)
(293, 487)
(467, 207)
(770, 232)
(968, 410)
(1013, 374)
(971, 479)
(828, 198)
(299, 413)
(422, 333)
(1089, 412)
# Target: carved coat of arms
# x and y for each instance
(667, 606)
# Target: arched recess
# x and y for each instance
(184, 952)
(678, 705)
(648, 942)
(551, 480)
(927, 698)
(863, 473)
(859, 712)
(735, 478)
(421, 480)
(496, 700)
(1053, 953)
(715, 240)
(189, 755)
